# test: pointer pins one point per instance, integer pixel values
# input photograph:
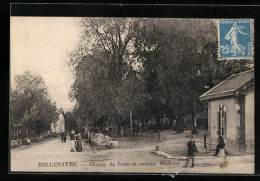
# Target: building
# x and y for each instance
(59, 126)
(231, 112)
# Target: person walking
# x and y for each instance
(192, 149)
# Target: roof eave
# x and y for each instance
(232, 92)
(206, 94)
(218, 95)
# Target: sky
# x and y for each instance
(41, 45)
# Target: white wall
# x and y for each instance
(52, 127)
(249, 118)
(231, 122)
(60, 126)
(230, 116)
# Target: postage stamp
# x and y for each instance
(235, 39)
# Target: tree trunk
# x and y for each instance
(159, 135)
(131, 123)
(141, 130)
(158, 125)
(194, 129)
(122, 131)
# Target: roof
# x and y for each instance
(229, 85)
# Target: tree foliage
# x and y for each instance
(103, 70)
(70, 121)
(30, 108)
(151, 66)
(181, 63)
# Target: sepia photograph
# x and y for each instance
(131, 95)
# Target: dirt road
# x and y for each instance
(133, 155)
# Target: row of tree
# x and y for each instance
(146, 68)
(31, 110)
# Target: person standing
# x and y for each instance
(78, 142)
(86, 137)
(72, 139)
(192, 149)
(62, 137)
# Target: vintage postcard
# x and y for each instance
(131, 95)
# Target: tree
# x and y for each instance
(102, 66)
(180, 62)
(29, 90)
(121, 62)
(38, 119)
(70, 121)
(30, 108)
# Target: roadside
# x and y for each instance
(33, 139)
(131, 150)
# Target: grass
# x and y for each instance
(34, 140)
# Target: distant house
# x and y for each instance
(231, 112)
(59, 126)
(201, 120)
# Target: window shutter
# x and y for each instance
(225, 120)
(219, 121)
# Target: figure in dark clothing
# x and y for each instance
(192, 149)
(86, 137)
(221, 145)
(62, 137)
(78, 142)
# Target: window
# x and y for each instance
(222, 119)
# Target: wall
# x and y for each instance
(60, 126)
(230, 103)
(249, 120)
(52, 127)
